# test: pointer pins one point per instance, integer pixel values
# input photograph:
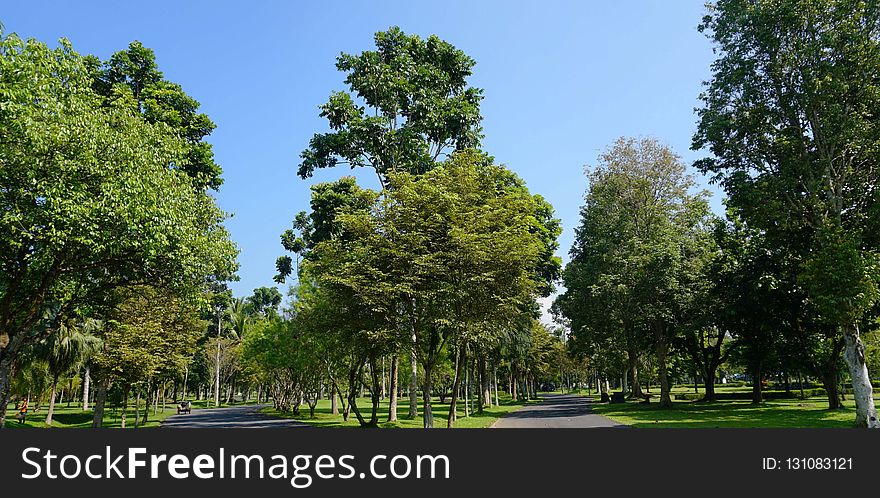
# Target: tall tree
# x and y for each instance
(265, 301)
(639, 250)
(408, 104)
(134, 73)
(789, 116)
(450, 250)
(88, 201)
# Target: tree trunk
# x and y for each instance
(854, 355)
(375, 393)
(467, 389)
(427, 414)
(7, 371)
(636, 386)
(86, 386)
(334, 402)
(413, 382)
(665, 398)
(100, 399)
(353, 395)
(829, 382)
(456, 384)
(709, 381)
(124, 406)
(486, 393)
(513, 382)
(217, 365)
(346, 408)
(392, 401)
(185, 379)
(757, 396)
(137, 406)
(495, 379)
(52, 400)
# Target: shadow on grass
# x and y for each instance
(720, 414)
(73, 418)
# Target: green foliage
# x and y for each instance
(151, 332)
(841, 279)
(453, 255)
(87, 201)
(73, 344)
(789, 117)
(417, 105)
(284, 358)
(638, 254)
(320, 223)
(265, 301)
(132, 75)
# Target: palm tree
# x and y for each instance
(240, 317)
(71, 346)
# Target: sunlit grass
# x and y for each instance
(75, 417)
(812, 412)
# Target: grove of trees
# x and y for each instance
(787, 283)
(103, 194)
(115, 262)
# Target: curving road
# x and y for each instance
(556, 411)
(245, 416)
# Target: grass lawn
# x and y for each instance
(74, 417)
(323, 417)
(783, 413)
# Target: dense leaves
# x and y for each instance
(408, 103)
(87, 201)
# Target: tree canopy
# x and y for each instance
(87, 199)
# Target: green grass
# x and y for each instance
(812, 412)
(75, 418)
(324, 418)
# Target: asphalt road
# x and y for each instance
(556, 411)
(245, 416)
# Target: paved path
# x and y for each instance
(245, 416)
(557, 411)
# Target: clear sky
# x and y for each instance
(562, 80)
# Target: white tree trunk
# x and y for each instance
(854, 354)
(86, 383)
(217, 366)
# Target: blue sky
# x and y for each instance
(562, 80)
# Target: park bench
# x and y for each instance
(619, 397)
(184, 407)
